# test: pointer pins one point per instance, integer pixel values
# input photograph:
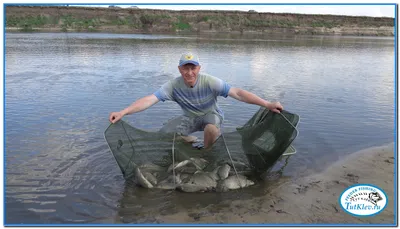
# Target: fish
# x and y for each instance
(141, 179)
(204, 179)
(214, 173)
(150, 177)
(189, 169)
(179, 165)
(238, 165)
(189, 176)
(185, 177)
(151, 167)
(169, 183)
(233, 182)
(199, 164)
(223, 171)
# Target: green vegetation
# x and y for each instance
(27, 24)
(84, 24)
(205, 18)
(182, 24)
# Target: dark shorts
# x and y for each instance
(185, 125)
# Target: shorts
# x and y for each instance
(185, 125)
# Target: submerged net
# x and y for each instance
(252, 148)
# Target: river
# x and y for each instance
(61, 87)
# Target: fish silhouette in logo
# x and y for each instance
(375, 197)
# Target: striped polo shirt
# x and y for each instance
(196, 101)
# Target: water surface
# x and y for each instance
(60, 89)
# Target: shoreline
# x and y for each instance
(119, 30)
(309, 200)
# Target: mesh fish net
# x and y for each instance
(252, 148)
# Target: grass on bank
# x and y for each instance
(178, 23)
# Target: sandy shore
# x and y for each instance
(309, 200)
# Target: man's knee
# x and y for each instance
(211, 132)
(211, 128)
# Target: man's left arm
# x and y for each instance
(248, 97)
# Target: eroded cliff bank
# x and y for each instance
(137, 20)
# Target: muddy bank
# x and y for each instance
(308, 200)
(137, 20)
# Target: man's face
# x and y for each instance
(189, 73)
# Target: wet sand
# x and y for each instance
(308, 200)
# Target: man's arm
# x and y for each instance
(137, 106)
(140, 104)
(248, 97)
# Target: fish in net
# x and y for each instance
(166, 161)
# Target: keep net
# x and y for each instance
(252, 148)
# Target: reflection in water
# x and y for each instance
(58, 166)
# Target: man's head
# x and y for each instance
(189, 67)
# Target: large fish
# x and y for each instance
(150, 177)
(233, 182)
(185, 177)
(223, 171)
(198, 163)
(204, 179)
(178, 165)
(169, 182)
(152, 167)
(141, 179)
(152, 171)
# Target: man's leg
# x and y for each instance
(211, 133)
(183, 126)
(211, 124)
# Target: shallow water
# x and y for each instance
(60, 89)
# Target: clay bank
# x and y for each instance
(137, 20)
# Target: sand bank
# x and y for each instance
(309, 200)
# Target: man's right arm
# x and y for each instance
(137, 106)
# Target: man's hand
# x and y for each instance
(115, 116)
(275, 107)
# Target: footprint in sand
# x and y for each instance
(352, 178)
(389, 161)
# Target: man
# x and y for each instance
(196, 93)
